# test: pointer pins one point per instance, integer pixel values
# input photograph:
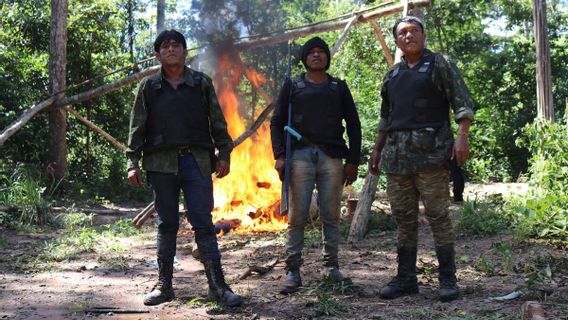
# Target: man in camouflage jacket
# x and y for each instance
(414, 146)
(175, 126)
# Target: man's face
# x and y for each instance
(171, 53)
(410, 38)
(317, 59)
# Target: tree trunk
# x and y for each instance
(545, 107)
(57, 70)
(161, 16)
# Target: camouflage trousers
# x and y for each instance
(404, 192)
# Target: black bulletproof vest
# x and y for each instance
(176, 117)
(318, 111)
(414, 100)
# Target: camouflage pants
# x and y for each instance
(404, 191)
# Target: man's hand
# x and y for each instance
(460, 151)
(135, 177)
(374, 162)
(280, 166)
(349, 174)
(222, 168)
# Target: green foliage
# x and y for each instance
(483, 217)
(543, 212)
(21, 190)
(326, 303)
(85, 238)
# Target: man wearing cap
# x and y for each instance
(175, 126)
(414, 147)
(319, 103)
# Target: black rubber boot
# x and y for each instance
(405, 282)
(447, 273)
(163, 290)
(218, 289)
(292, 283)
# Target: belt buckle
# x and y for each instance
(183, 150)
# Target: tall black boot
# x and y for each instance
(163, 290)
(218, 289)
(405, 282)
(447, 273)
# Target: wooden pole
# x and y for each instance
(343, 35)
(95, 128)
(545, 107)
(381, 39)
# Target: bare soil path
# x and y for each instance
(69, 289)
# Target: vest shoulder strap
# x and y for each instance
(394, 72)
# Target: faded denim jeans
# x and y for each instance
(311, 167)
(198, 194)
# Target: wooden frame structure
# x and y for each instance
(345, 22)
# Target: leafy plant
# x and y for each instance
(484, 217)
(19, 189)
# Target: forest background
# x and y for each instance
(492, 43)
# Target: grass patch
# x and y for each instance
(484, 217)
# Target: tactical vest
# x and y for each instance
(318, 111)
(415, 102)
(172, 124)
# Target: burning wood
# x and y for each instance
(265, 185)
(225, 226)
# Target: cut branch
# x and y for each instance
(93, 93)
(94, 127)
(25, 117)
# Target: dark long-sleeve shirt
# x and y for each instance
(349, 114)
(166, 160)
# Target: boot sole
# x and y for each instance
(152, 303)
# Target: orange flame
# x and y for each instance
(251, 192)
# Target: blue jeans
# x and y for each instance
(312, 167)
(198, 195)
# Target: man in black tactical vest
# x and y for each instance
(175, 126)
(414, 146)
(319, 103)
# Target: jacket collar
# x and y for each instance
(187, 77)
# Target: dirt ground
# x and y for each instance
(79, 288)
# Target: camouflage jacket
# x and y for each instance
(411, 151)
(166, 160)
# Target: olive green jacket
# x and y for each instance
(413, 151)
(166, 161)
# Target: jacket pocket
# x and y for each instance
(424, 140)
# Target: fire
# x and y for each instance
(251, 192)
